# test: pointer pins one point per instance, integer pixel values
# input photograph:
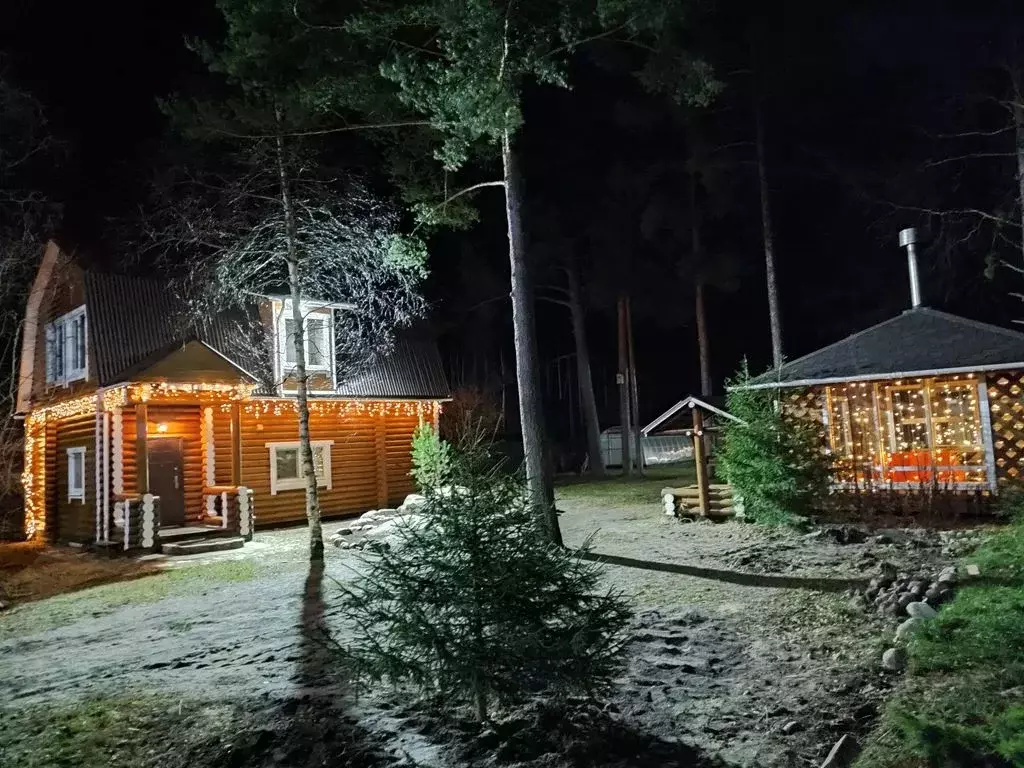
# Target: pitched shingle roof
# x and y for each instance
(133, 322)
(920, 341)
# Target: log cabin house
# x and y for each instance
(924, 401)
(136, 431)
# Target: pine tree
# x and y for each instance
(774, 463)
(473, 604)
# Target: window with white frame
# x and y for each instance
(318, 337)
(76, 474)
(286, 466)
(66, 348)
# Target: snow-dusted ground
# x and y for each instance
(756, 676)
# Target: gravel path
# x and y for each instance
(757, 676)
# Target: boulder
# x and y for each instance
(948, 575)
(907, 628)
(921, 610)
(346, 531)
(894, 659)
(906, 599)
(973, 570)
(843, 753)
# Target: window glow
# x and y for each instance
(286, 466)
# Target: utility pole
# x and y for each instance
(633, 393)
(622, 377)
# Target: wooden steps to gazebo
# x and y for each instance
(686, 501)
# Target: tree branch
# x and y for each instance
(324, 131)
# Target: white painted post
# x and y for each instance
(148, 521)
(118, 451)
(106, 477)
(211, 474)
(98, 468)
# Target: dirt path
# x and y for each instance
(757, 676)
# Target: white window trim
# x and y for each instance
(58, 327)
(76, 494)
(298, 483)
(308, 311)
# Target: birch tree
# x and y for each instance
(281, 226)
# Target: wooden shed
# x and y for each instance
(924, 400)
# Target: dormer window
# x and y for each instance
(66, 359)
(318, 336)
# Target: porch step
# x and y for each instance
(179, 534)
(201, 546)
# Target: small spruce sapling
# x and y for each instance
(472, 603)
(773, 462)
(431, 457)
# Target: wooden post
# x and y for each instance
(141, 449)
(236, 444)
(623, 382)
(700, 460)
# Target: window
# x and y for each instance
(318, 335)
(286, 466)
(909, 433)
(65, 348)
(76, 474)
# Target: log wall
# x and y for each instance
(75, 520)
(362, 476)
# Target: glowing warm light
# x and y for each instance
(279, 406)
(161, 427)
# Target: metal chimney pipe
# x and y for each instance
(908, 240)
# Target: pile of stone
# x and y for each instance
(890, 593)
(378, 527)
(960, 543)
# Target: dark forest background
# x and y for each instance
(876, 116)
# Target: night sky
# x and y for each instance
(859, 93)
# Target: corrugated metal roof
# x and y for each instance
(919, 341)
(133, 322)
(412, 370)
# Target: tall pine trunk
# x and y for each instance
(294, 257)
(703, 344)
(531, 410)
(1018, 124)
(588, 403)
(774, 315)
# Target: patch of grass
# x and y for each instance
(59, 611)
(963, 702)
(617, 489)
(90, 734)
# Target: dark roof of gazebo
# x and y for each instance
(918, 342)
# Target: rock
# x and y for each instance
(905, 599)
(918, 587)
(886, 574)
(973, 570)
(921, 611)
(341, 543)
(843, 753)
(791, 727)
(857, 603)
(948, 576)
(907, 628)
(943, 595)
(346, 531)
(932, 594)
(4, 605)
(894, 659)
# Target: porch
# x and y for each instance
(169, 470)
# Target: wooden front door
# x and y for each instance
(167, 480)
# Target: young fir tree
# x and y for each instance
(774, 463)
(431, 457)
(473, 604)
